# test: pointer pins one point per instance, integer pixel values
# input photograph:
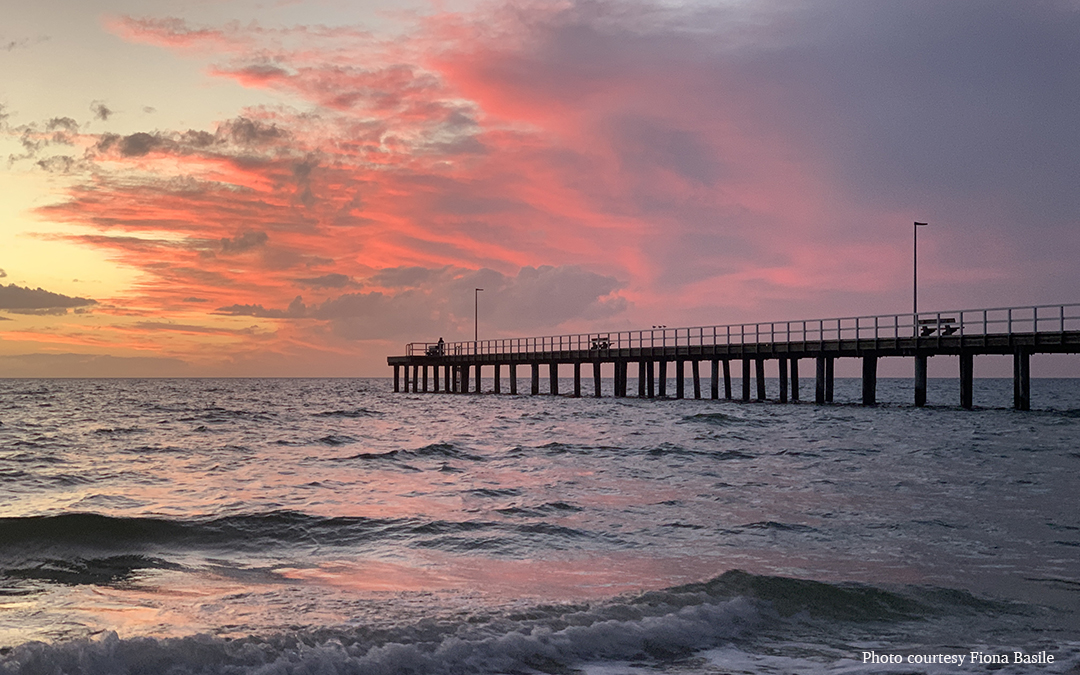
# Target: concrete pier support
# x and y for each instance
(819, 380)
(714, 382)
(759, 376)
(869, 379)
(423, 379)
(746, 379)
(621, 372)
(397, 380)
(553, 378)
(464, 379)
(498, 379)
(596, 378)
(783, 379)
(650, 380)
(727, 379)
(794, 380)
(695, 370)
(680, 377)
(967, 377)
(829, 379)
(535, 378)
(479, 388)
(513, 378)
(577, 380)
(920, 380)
(641, 378)
(1022, 379)
(435, 379)
(415, 378)
(663, 379)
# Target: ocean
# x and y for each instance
(332, 526)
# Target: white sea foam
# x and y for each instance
(522, 646)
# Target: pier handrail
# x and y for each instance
(955, 323)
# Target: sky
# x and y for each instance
(300, 187)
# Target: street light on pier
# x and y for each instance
(915, 270)
(476, 314)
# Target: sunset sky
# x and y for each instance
(299, 187)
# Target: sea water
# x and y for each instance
(333, 526)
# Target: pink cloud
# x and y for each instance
(715, 164)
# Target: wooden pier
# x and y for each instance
(1016, 331)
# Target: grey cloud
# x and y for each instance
(333, 280)
(64, 123)
(250, 132)
(149, 110)
(2, 274)
(100, 110)
(440, 302)
(244, 242)
(59, 164)
(18, 299)
(138, 144)
(7, 45)
(296, 310)
(43, 311)
(407, 277)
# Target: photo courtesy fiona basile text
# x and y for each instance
(969, 658)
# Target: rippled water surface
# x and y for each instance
(334, 526)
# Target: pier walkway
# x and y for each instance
(1019, 331)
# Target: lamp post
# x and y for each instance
(915, 270)
(476, 314)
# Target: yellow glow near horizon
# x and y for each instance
(33, 255)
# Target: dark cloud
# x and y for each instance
(149, 109)
(251, 132)
(194, 299)
(44, 311)
(64, 123)
(60, 164)
(245, 241)
(2, 274)
(327, 281)
(296, 310)
(17, 299)
(138, 144)
(8, 45)
(100, 110)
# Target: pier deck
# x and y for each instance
(1019, 331)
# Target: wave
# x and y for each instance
(74, 537)
(432, 451)
(736, 612)
(351, 413)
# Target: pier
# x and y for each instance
(457, 367)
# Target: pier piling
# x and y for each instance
(783, 363)
(967, 374)
(1022, 379)
(869, 380)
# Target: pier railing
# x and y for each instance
(924, 325)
